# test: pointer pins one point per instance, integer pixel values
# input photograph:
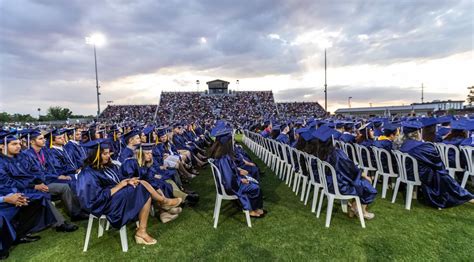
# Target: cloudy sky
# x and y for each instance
(379, 52)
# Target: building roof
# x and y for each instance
(414, 106)
(217, 80)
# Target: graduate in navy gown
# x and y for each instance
(347, 136)
(366, 138)
(349, 176)
(104, 191)
(234, 181)
(131, 140)
(390, 132)
(73, 147)
(116, 143)
(283, 137)
(266, 129)
(457, 134)
(439, 189)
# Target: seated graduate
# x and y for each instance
(170, 160)
(142, 167)
(439, 189)
(283, 137)
(444, 128)
(234, 181)
(20, 216)
(33, 161)
(347, 136)
(132, 140)
(428, 130)
(73, 148)
(266, 129)
(275, 132)
(103, 190)
(349, 176)
(58, 158)
(181, 144)
(14, 177)
(390, 132)
(114, 135)
(366, 138)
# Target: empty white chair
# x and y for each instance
(102, 220)
(378, 153)
(468, 152)
(444, 150)
(322, 167)
(404, 178)
(222, 195)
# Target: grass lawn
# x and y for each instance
(289, 232)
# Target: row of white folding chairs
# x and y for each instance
(275, 152)
(411, 180)
(356, 153)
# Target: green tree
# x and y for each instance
(5, 117)
(58, 113)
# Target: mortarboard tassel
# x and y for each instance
(51, 140)
(97, 156)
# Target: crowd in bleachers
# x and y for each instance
(123, 113)
(300, 109)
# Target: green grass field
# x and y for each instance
(289, 232)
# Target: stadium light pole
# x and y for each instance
(197, 85)
(96, 40)
(237, 84)
(349, 101)
(325, 84)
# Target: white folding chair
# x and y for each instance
(322, 167)
(300, 177)
(312, 182)
(102, 220)
(222, 195)
(361, 152)
(444, 150)
(404, 178)
(378, 153)
(468, 153)
(350, 152)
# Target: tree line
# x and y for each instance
(53, 113)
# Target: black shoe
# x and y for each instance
(27, 239)
(192, 198)
(80, 217)
(4, 255)
(189, 192)
(66, 227)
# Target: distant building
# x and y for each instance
(417, 108)
(217, 87)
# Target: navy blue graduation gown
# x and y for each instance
(13, 175)
(125, 153)
(249, 194)
(349, 178)
(387, 145)
(265, 133)
(439, 189)
(77, 152)
(283, 138)
(94, 192)
(36, 164)
(347, 138)
(368, 143)
(61, 161)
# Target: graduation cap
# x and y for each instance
(365, 126)
(301, 130)
(223, 134)
(177, 125)
(162, 131)
(428, 121)
(467, 125)
(324, 133)
(148, 131)
(339, 124)
(146, 146)
(276, 128)
(7, 137)
(445, 119)
(96, 146)
(132, 133)
(349, 125)
(390, 127)
(411, 126)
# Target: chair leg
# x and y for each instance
(329, 210)
(315, 199)
(88, 233)
(101, 227)
(452, 173)
(123, 238)
(107, 226)
(464, 179)
(409, 196)
(384, 186)
(247, 217)
(303, 188)
(395, 191)
(215, 206)
(308, 191)
(298, 184)
(218, 209)
(375, 179)
(344, 206)
(320, 204)
(295, 181)
(359, 211)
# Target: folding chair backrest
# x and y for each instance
(216, 173)
(351, 152)
(468, 153)
(361, 152)
(378, 153)
(309, 159)
(403, 161)
(323, 167)
(447, 148)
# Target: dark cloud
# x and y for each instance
(43, 41)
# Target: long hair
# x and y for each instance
(219, 150)
(429, 133)
(455, 133)
(91, 160)
(300, 144)
(312, 147)
(325, 149)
